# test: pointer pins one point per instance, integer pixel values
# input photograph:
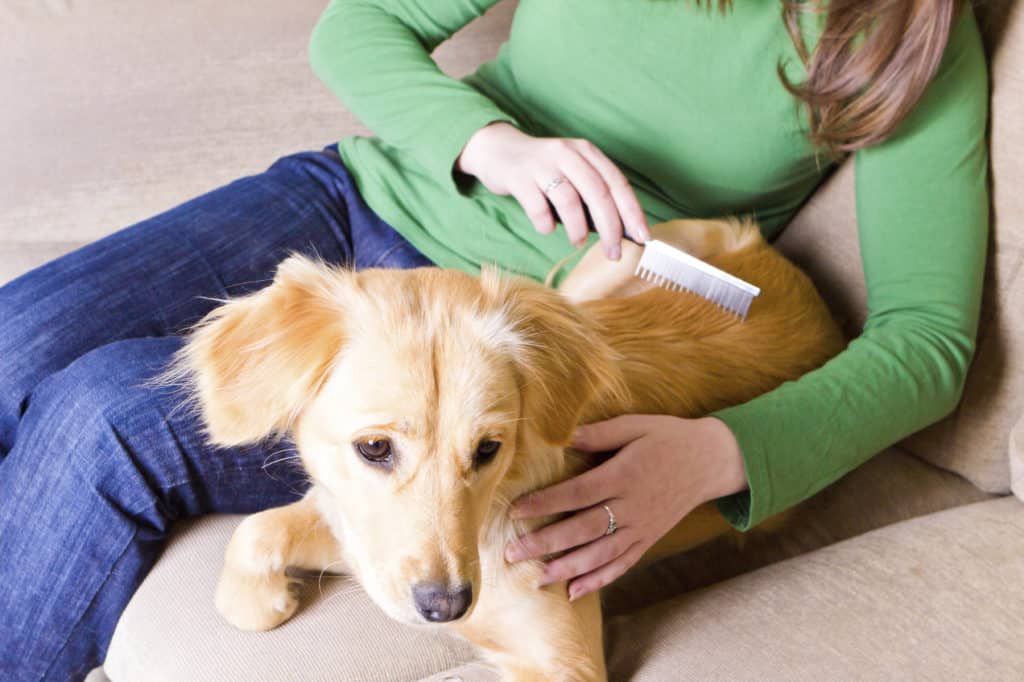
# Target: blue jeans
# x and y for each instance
(95, 468)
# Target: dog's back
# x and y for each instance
(683, 355)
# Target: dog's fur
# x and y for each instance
(437, 360)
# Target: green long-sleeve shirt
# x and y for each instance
(688, 103)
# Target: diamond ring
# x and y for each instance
(553, 184)
(612, 526)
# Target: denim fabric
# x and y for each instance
(95, 467)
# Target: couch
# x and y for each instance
(911, 567)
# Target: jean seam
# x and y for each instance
(88, 606)
(384, 256)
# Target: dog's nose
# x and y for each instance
(438, 604)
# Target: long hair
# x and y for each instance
(869, 68)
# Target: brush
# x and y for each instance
(668, 267)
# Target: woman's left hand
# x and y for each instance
(665, 466)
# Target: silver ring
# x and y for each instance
(553, 184)
(612, 526)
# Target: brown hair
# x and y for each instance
(872, 63)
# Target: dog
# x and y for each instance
(422, 402)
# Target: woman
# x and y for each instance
(636, 110)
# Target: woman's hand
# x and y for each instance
(510, 162)
(664, 468)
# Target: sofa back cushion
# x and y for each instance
(973, 441)
(1017, 459)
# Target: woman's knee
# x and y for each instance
(104, 420)
(97, 423)
(51, 316)
(108, 382)
(324, 165)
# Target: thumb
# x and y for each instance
(612, 434)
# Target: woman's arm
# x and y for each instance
(374, 55)
(922, 213)
(922, 205)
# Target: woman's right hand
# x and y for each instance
(509, 162)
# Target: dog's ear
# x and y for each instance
(563, 360)
(252, 364)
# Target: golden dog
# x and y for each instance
(423, 402)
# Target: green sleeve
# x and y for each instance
(374, 55)
(922, 214)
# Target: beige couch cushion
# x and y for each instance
(891, 487)
(823, 239)
(115, 111)
(170, 630)
(935, 598)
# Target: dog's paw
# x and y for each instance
(256, 601)
(253, 592)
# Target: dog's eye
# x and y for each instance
(374, 450)
(485, 452)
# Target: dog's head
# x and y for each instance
(420, 401)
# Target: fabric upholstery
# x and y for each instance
(171, 627)
(171, 632)
(1017, 459)
(122, 110)
(932, 598)
(97, 675)
(891, 487)
(470, 672)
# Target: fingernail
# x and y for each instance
(577, 435)
(512, 553)
(574, 593)
(642, 233)
(614, 252)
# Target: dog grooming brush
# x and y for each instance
(668, 267)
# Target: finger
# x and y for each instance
(598, 198)
(606, 574)
(629, 208)
(578, 529)
(578, 492)
(536, 206)
(567, 202)
(614, 433)
(586, 559)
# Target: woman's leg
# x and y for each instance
(101, 468)
(163, 274)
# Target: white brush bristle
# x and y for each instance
(668, 267)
